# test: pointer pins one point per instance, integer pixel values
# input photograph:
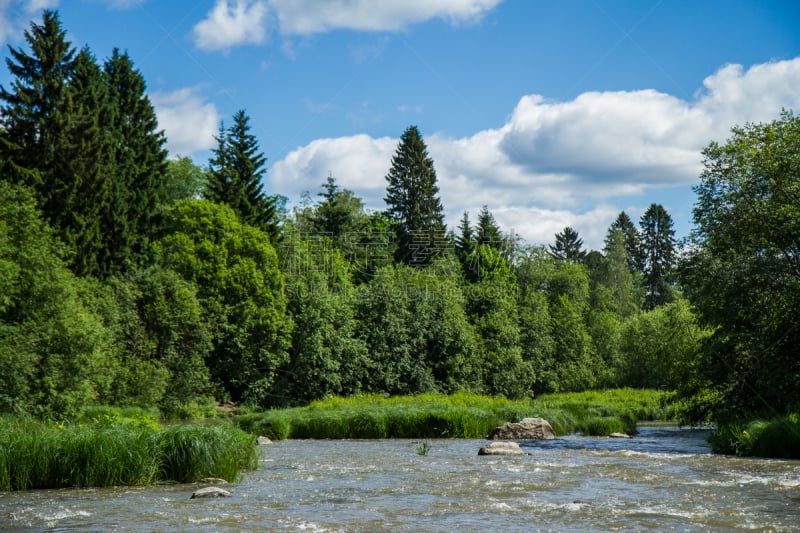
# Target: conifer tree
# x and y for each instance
(235, 174)
(33, 117)
(139, 165)
(412, 198)
(488, 232)
(632, 240)
(658, 251)
(568, 246)
(465, 240)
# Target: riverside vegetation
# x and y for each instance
(132, 279)
(118, 451)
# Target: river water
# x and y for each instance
(664, 479)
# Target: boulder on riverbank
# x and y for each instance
(210, 492)
(501, 448)
(525, 429)
(263, 441)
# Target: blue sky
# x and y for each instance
(551, 113)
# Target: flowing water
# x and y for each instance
(664, 479)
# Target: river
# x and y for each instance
(664, 479)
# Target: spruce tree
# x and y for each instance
(489, 234)
(412, 198)
(235, 174)
(658, 250)
(568, 246)
(465, 240)
(632, 240)
(139, 166)
(33, 114)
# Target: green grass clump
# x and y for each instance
(777, 437)
(37, 455)
(458, 415)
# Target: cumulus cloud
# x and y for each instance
(553, 163)
(231, 23)
(16, 14)
(305, 17)
(358, 163)
(189, 122)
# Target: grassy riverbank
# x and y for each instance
(37, 455)
(457, 416)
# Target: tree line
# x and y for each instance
(129, 278)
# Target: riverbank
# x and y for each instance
(39, 455)
(460, 415)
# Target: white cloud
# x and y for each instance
(304, 17)
(15, 16)
(358, 163)
(189, 122)
(553, 163)
(231, 23)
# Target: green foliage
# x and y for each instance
(52, 357)
(659, 348)
(777, 437)
(240, 290)
(412, 200)
(416, 331)
(742, 273)
(456, 416)
(327, 356)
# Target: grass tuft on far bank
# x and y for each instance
(777, 437)
(38, 455)
(458, 415)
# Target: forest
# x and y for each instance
(132, 278)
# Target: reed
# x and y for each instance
(459, 415)
(37, 455)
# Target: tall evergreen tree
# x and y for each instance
(139, 165)
(339, 212)
(465, 240)
(235, 174)
(658, 251)
(568, 246)
(32, 114)
(412, 197)
(488, 232)
(632, 240)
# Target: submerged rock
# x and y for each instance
(525, 429)
(501, 448)
(213, 481)
(618, 435)
(210, 492)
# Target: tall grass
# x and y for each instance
(777, 437)
(455, 416)
(35, 455)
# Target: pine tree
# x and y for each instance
(568, 246)
(658, 247)
(338, 213)
(412, 197)
(235, 174)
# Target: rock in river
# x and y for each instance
(525, 429)
(501, 448)
(210, 492)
